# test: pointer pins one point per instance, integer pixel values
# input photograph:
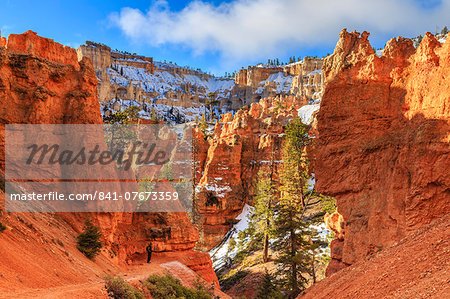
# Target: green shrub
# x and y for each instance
(2, 227)
(117, 288)
(328, 204)
(89, 240)
(168, 287)
(268, 289)
(231, 279)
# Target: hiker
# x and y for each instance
(149, 252)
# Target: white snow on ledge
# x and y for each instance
(306, 113)
(221, 252)
(312, 182)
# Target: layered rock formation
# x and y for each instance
(132, 77)
(239, 147)
(30, 43)
(383, 150)
(302, 79)
(102, 57)
(2, 40)
(42, 82)
(49, 89)
(178, 94)
(308, 79)
(253, 75)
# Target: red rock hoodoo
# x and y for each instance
(383, 148)
(228, 163)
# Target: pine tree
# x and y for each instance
(419, 39)
(127, 116)
(154, 116)
(292, 244)
(119, 135)
(203, 124)
(444, 30)
(267, 289)
(212, 101)
(295, 163)
(261, 221)
(88, 242)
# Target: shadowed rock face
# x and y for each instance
(42, 82)
(383, 150)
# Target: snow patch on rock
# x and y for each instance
(306, 113)
(221, 253)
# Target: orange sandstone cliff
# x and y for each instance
(416, 267)
(229, 161)
(383, 150)
(43, 82)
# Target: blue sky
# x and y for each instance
(221, 36)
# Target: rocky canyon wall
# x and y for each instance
(138, 78)
(383, 148)
(228, 162)
(301, 79)
(129, 79)
(43, 82)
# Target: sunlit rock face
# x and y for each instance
(383, 147)
(152, 84)
(228, 162)
(126, 79)
(302, 79)
(43, 82)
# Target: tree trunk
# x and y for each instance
(266, 245)
(313, 268)
(294, 265)
(302, 199)
(266, 235)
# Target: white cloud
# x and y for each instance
(255, 29)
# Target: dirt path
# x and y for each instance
(92, 289)
(416, 267)
(96, 289)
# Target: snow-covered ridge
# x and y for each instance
(179, 93)
(163, 81)
(168, 113)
